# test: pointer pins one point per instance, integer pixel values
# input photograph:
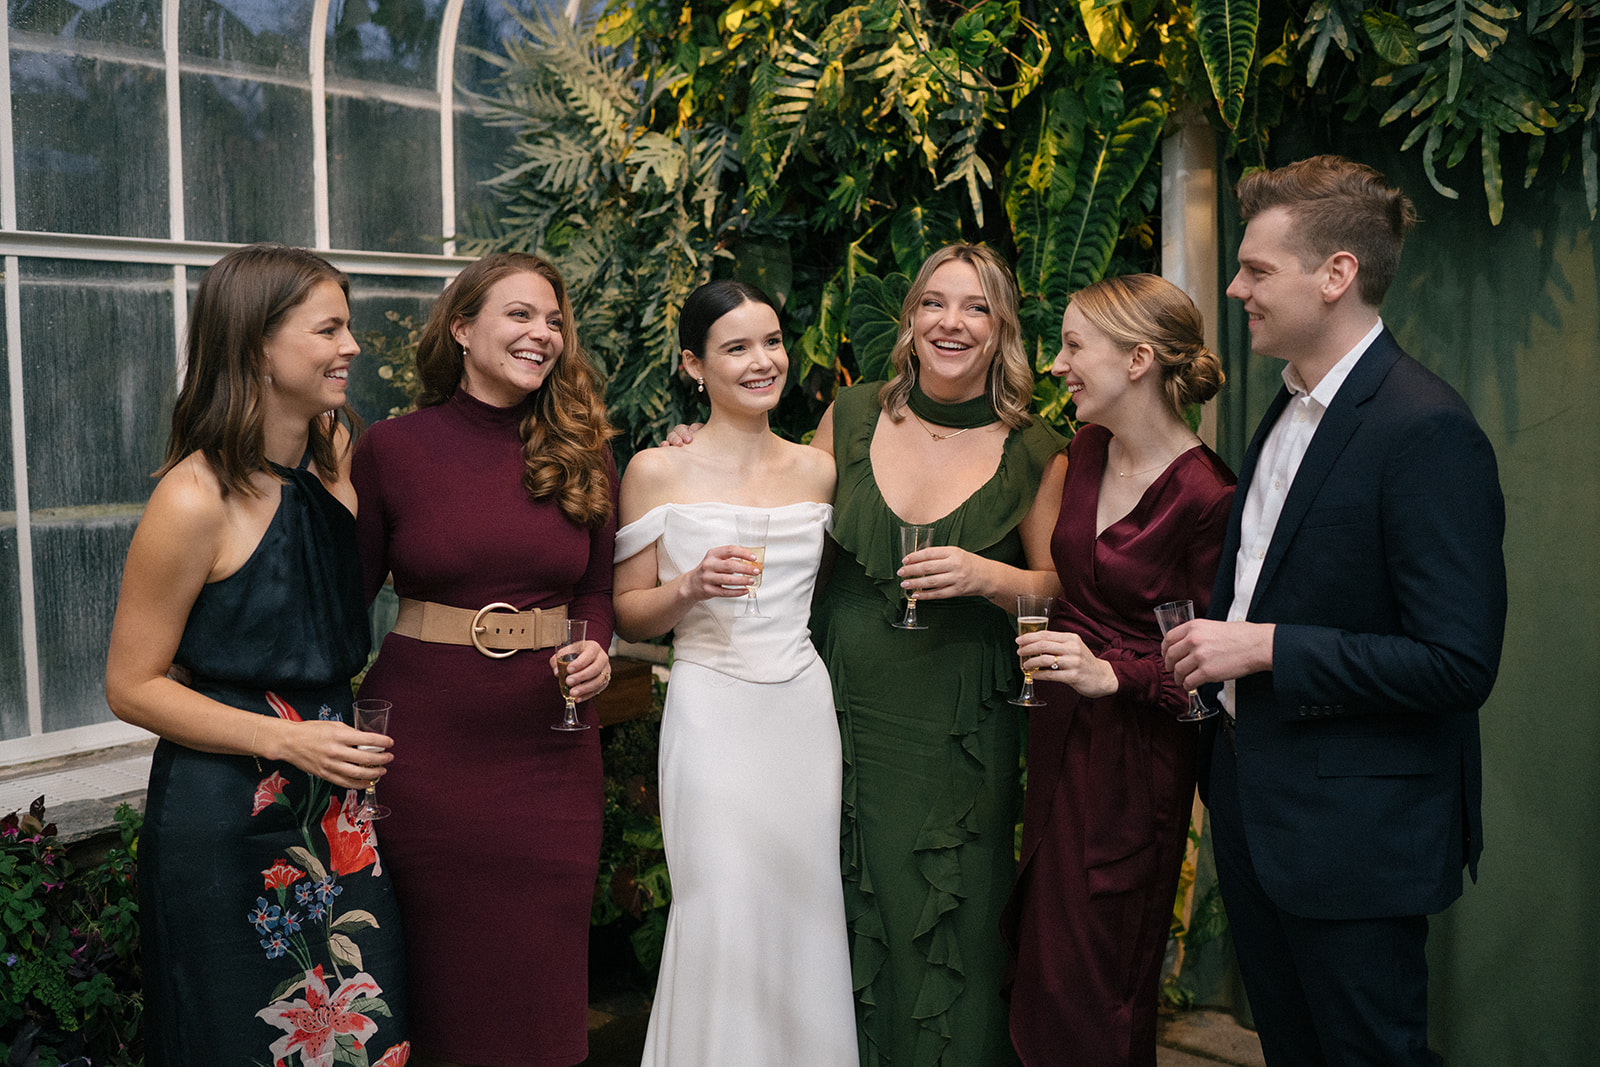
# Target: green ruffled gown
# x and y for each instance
(931, 750)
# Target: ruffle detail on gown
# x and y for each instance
(951, 824)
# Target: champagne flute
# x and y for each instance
(1169, 615)
(752, 537)
(372, 717)
(577, 632)
(913, 538)
(1033, 615)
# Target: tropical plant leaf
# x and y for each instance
(875, 322)
(1226, 32)
(1107, 173)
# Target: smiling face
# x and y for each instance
(511, 345)
(1092, 366)
(951, 329)
(308, 355)
(1284, 301)
(745, 362)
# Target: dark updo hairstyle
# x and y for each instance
(565, 429)
(709, 303)
(241, 302)
(1144, 309)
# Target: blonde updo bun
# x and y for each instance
(1144, 309)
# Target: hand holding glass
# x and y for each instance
(1169, 616)
(913, 538)
(752, 537)
(372, 717)
(577, 632)
(1033, 615)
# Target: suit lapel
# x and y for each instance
(1339, 423)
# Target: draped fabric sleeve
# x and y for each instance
(641, 533)
(989, 517)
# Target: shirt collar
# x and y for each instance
(1328, 387)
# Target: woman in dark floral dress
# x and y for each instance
(268, 925)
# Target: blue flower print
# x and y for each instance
(265, 916)
(326, 890)
(290, 923)
(302, 894)
(275, 946)
(318, 912)
(327, 714)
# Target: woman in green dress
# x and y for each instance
(931, 746)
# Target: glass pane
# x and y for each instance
(269, 34)
(77, 566)
(13, 696)
(134, 23)
(247, 160)
(98, 374)
(383, 176)
(390, 41)
(372, 301)
(91, 143)
(479, 147)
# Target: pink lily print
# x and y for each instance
(322, 1028)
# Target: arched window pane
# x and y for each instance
(272, 35)
(135, 23)
(479, 147)
(89, 125)
(383, 175)
(391, 41)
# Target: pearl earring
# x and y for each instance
(699, 385)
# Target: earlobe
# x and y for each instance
(457, 329)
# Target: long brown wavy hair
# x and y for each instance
(242, 300)
(565, 430)
(1010, 383)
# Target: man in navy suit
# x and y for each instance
(1356, 626)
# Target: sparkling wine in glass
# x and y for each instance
(1169, 615)
(913, 538)
(372, 717)
(752, 537)
(1033, 615)
(577, 632)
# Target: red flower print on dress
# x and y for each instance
(282, 707)
(397, 1056)
(282, 873)
(268, 791)
(312, 1026)
(352, 846)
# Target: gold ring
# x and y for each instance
(1055, 664)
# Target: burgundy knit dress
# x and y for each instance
(495, 838)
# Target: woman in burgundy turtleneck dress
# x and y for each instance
(498, 490)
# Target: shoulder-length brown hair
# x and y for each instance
(1010, 385)
(241, 302)
(565, 430)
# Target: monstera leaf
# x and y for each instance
(1107, 173)
(1226, 30)
(875, 322)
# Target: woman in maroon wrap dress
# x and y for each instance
(1110, 773)
(499, 491)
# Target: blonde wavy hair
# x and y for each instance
(565, 431)
(1010, 383)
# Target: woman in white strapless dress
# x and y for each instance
(755, 968)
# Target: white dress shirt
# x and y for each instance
(1281, 454)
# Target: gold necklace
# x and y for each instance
(1163, 463)
(938, 436)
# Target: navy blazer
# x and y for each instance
(1359, 765)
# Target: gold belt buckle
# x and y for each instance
(478, 628)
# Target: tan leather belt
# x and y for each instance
(497, 630)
